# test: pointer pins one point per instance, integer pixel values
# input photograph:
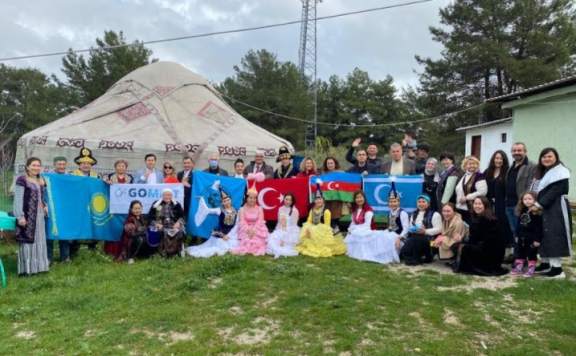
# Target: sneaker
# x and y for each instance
(555, 273)
(543, 268)
(518, 268)
(529, 271)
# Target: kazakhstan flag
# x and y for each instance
(78, 209)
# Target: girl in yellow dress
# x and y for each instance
(317, 238)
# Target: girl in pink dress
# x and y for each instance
(252, 231)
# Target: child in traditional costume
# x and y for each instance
(252, 230)
(398, 218)
(365, 243)
(317, 238)
(283, 240)
(225, 237)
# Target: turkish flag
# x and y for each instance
(271, 194)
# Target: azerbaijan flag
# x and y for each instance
(338, 186)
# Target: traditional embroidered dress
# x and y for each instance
(133, 242)
(223, 239)
(252, 232)
(399, 223)
(32, 252)
(285, 237)
(317, 238)
(365, 243)
(78, 172)
(168, 214)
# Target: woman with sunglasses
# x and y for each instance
(169, 173)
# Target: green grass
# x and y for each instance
(288, 306)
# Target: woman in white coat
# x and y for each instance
(365, 243)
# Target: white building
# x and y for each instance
(484, 139)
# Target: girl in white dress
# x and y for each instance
(224, 238)
(283, 240)
(365, 243)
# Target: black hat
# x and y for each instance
(393, 192)
(85, 157)
(283, 152)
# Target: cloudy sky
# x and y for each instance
(381, 43)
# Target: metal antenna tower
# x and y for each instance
(307, 54)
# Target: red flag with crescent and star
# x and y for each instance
(271, 195)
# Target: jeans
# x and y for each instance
(63, 246)
(512, 219)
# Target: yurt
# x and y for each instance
(161, 108)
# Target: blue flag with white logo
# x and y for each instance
(377, 188)
(205, 201)
(79, 209)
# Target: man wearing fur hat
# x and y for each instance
(85, 161)
(286, 169)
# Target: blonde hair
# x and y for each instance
(468, 159)
(303, 164)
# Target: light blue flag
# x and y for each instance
(205, 201)
(377, 188)
(78, 209)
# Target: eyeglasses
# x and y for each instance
(168, 167)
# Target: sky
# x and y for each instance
(381, 43)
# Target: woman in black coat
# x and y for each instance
(552, 188)
(483, 253)
(496, 179)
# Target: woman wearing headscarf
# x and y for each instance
(167, 217)
(431, 180)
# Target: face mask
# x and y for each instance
(213, 163)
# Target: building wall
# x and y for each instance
(549, 123)
(490, 141)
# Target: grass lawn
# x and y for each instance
(289, 306)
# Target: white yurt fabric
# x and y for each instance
(161, 108)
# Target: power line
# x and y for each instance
(324, 123)
(218, 33)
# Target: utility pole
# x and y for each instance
(307, 55)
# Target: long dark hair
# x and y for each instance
(31, 160)
(357, 193)
(132, 203)
(488, 212)
(540, 169)
(489, 173)
(325, 164)
(293, 202)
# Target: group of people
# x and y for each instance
(466, 217)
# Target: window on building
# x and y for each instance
(504, 137)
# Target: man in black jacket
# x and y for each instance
(361, 164)
(372, 155)
(186, 177)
